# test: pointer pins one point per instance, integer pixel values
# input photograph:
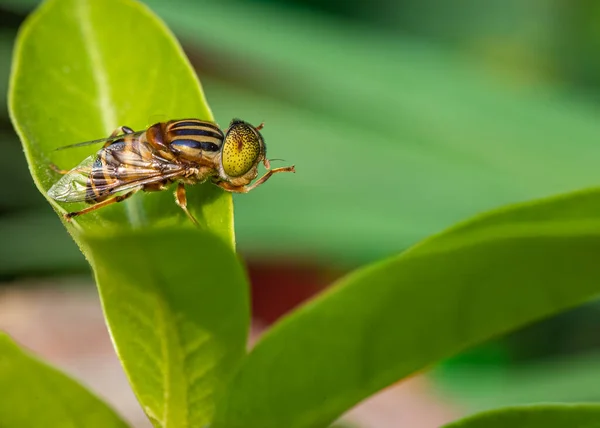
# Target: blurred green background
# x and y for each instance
(402, 118)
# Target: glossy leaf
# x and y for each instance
(76, 79)
(35, 395)
(542, 416)
(176, 312)
(174, 296)
(384, 322)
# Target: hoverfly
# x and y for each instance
(186, 151)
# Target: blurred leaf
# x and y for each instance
(380, 127)
(6, 39)
(21, 193)
(21, 252)
(382, 323)
(36, 395)
(21, 6)
(569, 379)
(547, 416)
(178, 328)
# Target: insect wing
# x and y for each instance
(112, 170)
(98, 141)
(72, 186)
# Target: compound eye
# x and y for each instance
(241, 149)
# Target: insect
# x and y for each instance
(186, 151)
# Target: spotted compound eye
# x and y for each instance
(241, 149)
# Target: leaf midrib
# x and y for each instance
(175, 413)
(108, 114)
(167, 355)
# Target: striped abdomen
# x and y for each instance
(193, 139)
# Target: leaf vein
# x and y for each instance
(97, 63)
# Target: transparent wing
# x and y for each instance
(72, 186)
(112, 170)
(98, 141)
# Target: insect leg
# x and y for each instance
(55, 168)
(245, 189)
(118, 198)
(121, 130)
(181, 200)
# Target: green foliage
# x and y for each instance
(94, 81)
(479, 279)
(178, 319)
(547, 416)
(175, 297)
(165, 285)
(35, 395)
(572, 378)
(447, 137)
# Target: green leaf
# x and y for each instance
(35, 395)
(75, 79)
(175, 297)
(479, 279)
(546, 416)
(178, 314)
